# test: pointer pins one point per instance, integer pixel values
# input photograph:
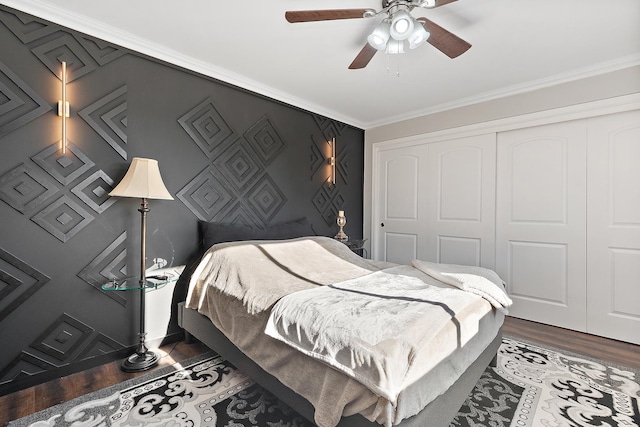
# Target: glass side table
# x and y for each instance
(356, 246)
(143, 358)
(156, 280)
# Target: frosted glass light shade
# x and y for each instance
(142, 180)
(379, 37)
(401, 25)
(419, 36)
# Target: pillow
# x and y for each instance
(213, 233)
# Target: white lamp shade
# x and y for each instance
(379, 37)
(401, 25)
(142, 180)
(419, 36)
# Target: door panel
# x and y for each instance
(541, 222)
(461, 201)
(401, 247)
(613, 212)
(399, 209)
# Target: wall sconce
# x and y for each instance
(63, 108)
(332, 162)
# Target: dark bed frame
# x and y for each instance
(438, 413)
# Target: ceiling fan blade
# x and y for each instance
(363, 58)
(443, 40)
(324, 15)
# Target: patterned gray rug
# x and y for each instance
(532, 386)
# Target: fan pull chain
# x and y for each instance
(397, 64)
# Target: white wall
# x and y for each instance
(496, 115)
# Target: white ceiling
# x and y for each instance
(517, 46)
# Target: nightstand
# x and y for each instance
(158, 292)
(156, 279)
(357, 246)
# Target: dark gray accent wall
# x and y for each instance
(225, 154)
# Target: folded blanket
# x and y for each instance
(377, 328)
(260, 272)
(476, 280)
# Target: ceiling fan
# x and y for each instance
(396, 27)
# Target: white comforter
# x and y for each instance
(383, 329)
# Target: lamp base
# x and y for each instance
(341, 236)
(140, 362)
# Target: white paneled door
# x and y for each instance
(541, 222)
(613, 218)
(460, 195)
(399, 217)
(436, 202)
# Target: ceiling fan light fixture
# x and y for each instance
(402, 25)
(418, 36)
(379, 37)
(395, 46)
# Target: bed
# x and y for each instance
(242, 313)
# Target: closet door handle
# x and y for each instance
(382, 224)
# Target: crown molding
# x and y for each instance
(94, 28)
(574, 75)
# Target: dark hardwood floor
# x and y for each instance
(616, 352)
(37, 398)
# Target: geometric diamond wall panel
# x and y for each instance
(94, 191)
(63, 167)
(266, 199)
(18, 282)
(26, 27)
(102, 52)
(317, 158)
(239, 167)
(19, 104)
(25, 365)
(24, 188)
(206, 195)
(322, 199)
(108, 117)
(63, 338)
(342, 166)
(329, 128)
(65, 48)
(109, 264)
(207, 128)
(265, 140)
(328, 200)
(241, 214)
(64, 218)
(98, 345)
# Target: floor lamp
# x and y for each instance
(142, 180)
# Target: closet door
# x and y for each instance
(399, 207)
(613, 218)
(541, 224)
(461, 201)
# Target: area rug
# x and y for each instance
(531, 386)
